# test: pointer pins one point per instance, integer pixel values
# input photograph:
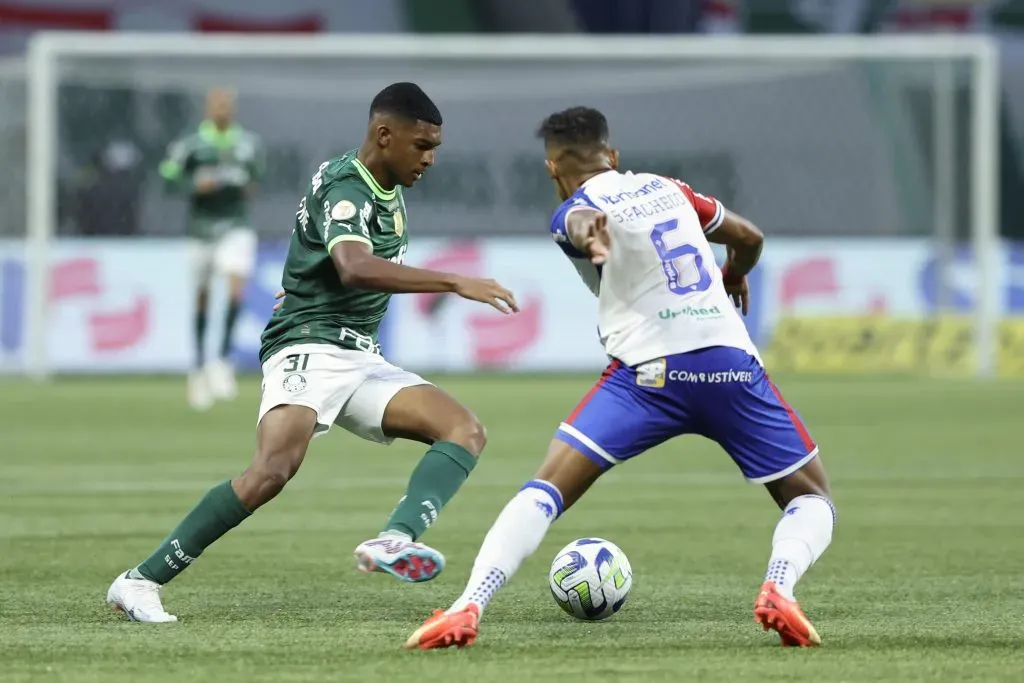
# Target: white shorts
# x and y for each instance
(233, 254)
(348, 388)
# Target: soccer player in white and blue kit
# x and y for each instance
(682, 362)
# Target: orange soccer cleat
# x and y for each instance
(444, 630)
(775, 611)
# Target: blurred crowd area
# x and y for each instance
(112, 138)
(20, 17)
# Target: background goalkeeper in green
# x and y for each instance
(322, 365)
(216, 166)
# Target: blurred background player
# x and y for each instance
(682, 363)
(217, 166)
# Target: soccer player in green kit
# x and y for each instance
(322, 363)
(217, 166)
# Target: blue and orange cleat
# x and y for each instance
(775, 611)
(405, 560)
(445, 630)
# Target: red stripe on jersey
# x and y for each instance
(706, 207)
(612, 367)
(798, 424)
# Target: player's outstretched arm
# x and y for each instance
(588, 232)
(358, 267)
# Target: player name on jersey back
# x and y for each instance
(660, 292)
(647, 201)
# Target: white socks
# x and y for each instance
(513, 537)
(802, 535)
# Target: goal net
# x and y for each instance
(869, 162)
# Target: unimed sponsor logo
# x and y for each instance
(690, 312)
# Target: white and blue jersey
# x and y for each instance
(682, 361)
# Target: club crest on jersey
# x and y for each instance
(343, 210)
(651, 374)
(294, 383)
(399, 224)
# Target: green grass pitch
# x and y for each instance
(924, 580)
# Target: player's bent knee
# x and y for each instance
(272, 479)
(569, 471)
(267, 477)
(809, 480)
(468, 432)
(815, 479)
(280, 450)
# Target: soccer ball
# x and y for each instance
(590, 578)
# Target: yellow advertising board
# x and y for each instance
(876, 344)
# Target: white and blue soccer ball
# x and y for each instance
(590, 578)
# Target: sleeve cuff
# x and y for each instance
(348, 238)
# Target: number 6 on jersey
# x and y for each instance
(682, 263)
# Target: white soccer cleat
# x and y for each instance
(405, 560)
(221, 376)
(199, 395)
(139, 599)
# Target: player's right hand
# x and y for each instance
(737, 289)
(598, 240)
(279, 304)
(487, 292)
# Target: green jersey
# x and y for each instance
(344, 203)
(232, 159)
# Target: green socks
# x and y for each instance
(217, 513)
(234, 308)
(200, 338)
(435, 480)
(433, 483)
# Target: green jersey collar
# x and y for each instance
(211, 135)
(372, 182)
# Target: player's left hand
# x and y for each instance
(279, 304)
(738, 291)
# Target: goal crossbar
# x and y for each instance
(519, 47)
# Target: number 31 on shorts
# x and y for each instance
(296, 362)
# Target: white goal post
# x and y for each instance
(49, 51)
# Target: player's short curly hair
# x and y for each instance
(581, 127)
(407, 100)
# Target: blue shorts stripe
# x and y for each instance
(583, 448)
